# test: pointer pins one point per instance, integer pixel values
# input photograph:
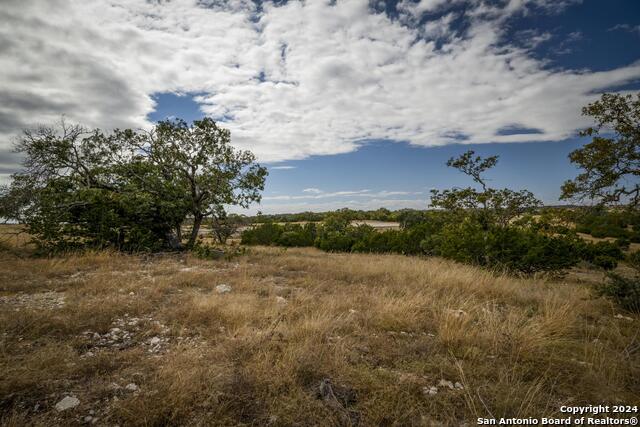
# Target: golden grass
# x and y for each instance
(380, 327)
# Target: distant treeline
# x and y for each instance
(381, 214)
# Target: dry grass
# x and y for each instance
(380, 327)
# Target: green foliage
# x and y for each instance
(602, 254)
(611, 161)
(264, 234)
(509, 248)
(602, 222)
(128, 190)
(633, 259)
(488, 206)
(212, 252)
(623, 290)
(298, 235)
(205, 251)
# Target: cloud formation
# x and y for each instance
(292, 80)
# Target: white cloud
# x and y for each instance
(312, 190)
(626, 27)
(300, 79)
(285, 167)
(314, 193)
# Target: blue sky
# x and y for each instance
(350, 103)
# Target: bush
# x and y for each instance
(510, 248)
(600, 250)
(606, 262)
(264, 234)
(634, 260)
(624, 291)
(623, 242)
(297, 235)
(205, 251)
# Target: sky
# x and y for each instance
(349, 103)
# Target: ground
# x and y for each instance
(301, 337)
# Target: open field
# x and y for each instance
(149, 340)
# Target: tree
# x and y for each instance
(128, 189)
(489, 206)
(201, 162)
(223, 226)
(611, 161)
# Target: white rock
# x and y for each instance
(620, 316)
(132, 387)
(154, 341)
(223, 289)
(458, 386)
(445, 383)
(281, 301)
(430, 391)
(68, 402)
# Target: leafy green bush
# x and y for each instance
(633, 259)
(623, 242)
(605, 262)
(264, 234)
(599, 253)
(511, 248)
(624, 291)
(205, 251)
(297, 235)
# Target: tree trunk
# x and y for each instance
(179, 233)
(197, 222)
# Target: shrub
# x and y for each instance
(623, 242)
(297, 235)
(606, 262)
(624, 291)
(590, 251)
(205, 251)
(512, 248)
(264, 234)
(634, 260)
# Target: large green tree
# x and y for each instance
(611, 161)
(131, 189)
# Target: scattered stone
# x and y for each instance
(126, 333)
(430, 391)
(445, 383)
(281, 300)
(44, 300)
(223, 289)
(68, 402)
(458, 386)
(132, 387)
